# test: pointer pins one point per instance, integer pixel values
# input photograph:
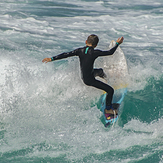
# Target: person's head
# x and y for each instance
(92, 40)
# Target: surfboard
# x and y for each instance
(115, 67)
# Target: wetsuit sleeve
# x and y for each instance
(109, 52)
(66, 55)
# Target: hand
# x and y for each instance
(46, 60)
(120, 40)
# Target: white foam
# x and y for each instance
(49, 103)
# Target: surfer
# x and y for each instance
(87, 56)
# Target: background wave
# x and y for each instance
(46, 113)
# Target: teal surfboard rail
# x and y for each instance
(118, 97)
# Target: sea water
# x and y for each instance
(47, 114)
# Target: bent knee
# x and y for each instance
(110, 91)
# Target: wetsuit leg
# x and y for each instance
(110, 91)
(99, 72)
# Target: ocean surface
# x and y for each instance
(47, 114)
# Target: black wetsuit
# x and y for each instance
(87, 56)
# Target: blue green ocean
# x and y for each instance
(47, 114)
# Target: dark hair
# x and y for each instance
(93, 39)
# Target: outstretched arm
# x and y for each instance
(61, 56)
(111, 51)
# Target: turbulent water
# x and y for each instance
(47, 114)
